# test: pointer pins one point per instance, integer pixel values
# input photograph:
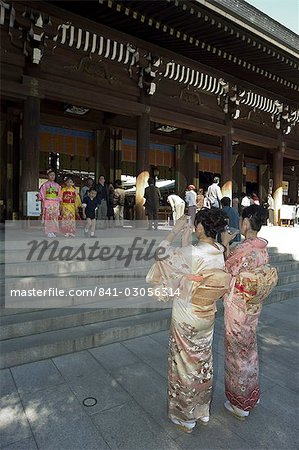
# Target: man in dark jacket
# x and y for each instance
(152, 197)
(103, 201)
(233, 217)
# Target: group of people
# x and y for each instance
(60, 205)
(199, 276)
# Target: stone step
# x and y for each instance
(31, 348)
(79, 291)
(288, 277)
(36, 268)
(28, 322)
(286, 266)
(74, 279)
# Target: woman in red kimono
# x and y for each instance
(70, 201)
(252, 282)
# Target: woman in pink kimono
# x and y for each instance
(194, 278)
(246, 263)
(50, 196)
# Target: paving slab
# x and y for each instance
(100, 386)
(151, 352)
(262, 430)
(59, 422)
(24, 444)
(34, 376)
(128, 427)
(14, 425)
(114, 356)
(7, 384)
(212, 437)
(76, 365)
(162, 338)
(149, 390)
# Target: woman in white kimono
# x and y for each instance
(195, 276)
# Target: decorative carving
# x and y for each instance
(149, 65)
(29, 30)
(285, 119)
(230, 102)
(93, 68)
(256, 116)
(190, 96)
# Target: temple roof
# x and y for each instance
(228, 35)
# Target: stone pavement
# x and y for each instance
(42, 402)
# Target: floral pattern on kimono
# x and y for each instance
(241, 355)
(50, 196)
(69, 204)
(190, 360)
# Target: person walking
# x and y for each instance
(118, 204)
(86, 188)
(245, 202)
(200, 200)
(90, 204)
(190, 198)
(197, 274)
(270, 207)
(214, 193)
(152, 197)
(50, 196)
(103, 201)
(110, 209)
(255, 199)
(177, 205)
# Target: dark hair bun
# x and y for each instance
(213, 221)
(257, 216)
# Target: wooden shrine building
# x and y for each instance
(183, 89)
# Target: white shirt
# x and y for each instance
(214, 195)
(190, 198)
(245, 202)
(175, 200)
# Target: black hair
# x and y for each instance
(68, 178)
(92, 189)
(213, 221)
(256, 215)
(225, 201)
(151, 181)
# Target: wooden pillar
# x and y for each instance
(118, 155)
(185, 167)
(264, 176)
(226, 163)
(100, 168)
(3, 175)
(196, 167)
(29, 164)
(9, 167)
(239, 174)
(277, 180)
(142, 161)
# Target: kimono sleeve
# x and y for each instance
(78, 201)
(169, 271)
(42, 193)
